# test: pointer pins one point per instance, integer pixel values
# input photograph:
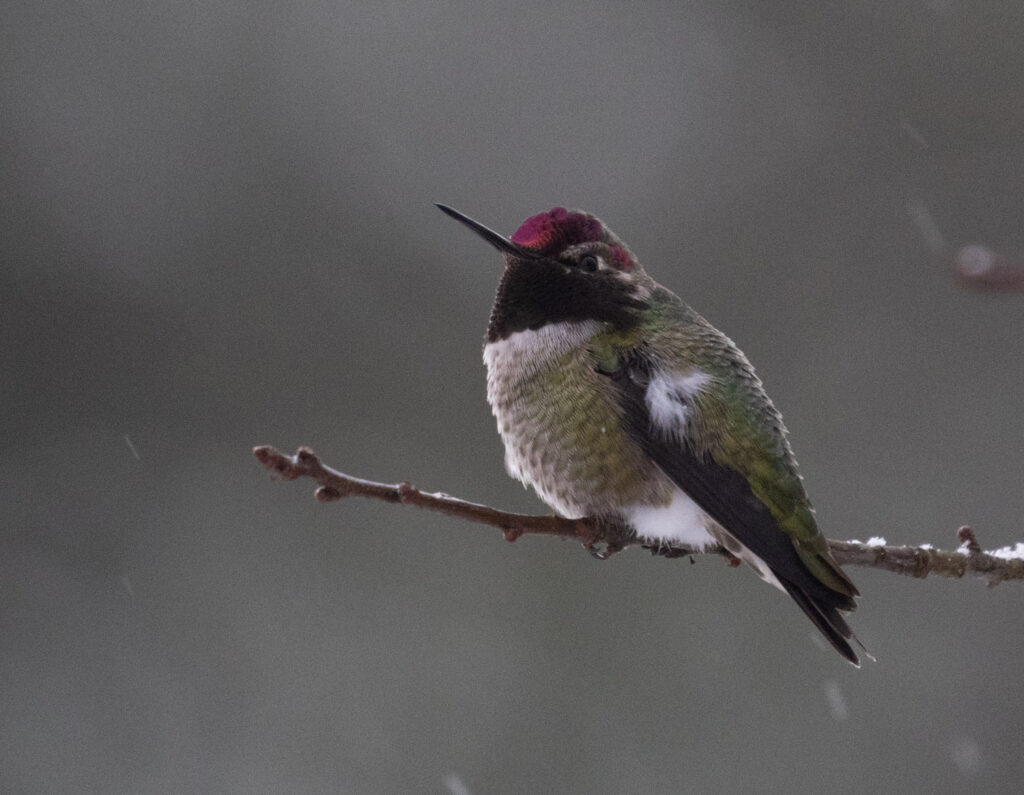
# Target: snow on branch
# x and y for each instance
(969, 560)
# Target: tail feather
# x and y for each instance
(827, 619)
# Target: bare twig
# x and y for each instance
(968, 560)
(334, 485)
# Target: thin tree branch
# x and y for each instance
(967, 561)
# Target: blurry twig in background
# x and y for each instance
(975, 266)
(967, 560)
(979, 267)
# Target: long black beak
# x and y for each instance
(500, 242)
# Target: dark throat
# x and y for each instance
(535, 293)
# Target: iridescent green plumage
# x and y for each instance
(738, 427)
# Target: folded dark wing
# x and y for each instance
(726, 496)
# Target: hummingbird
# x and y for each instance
(616, 400)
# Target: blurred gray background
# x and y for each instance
(218, 231)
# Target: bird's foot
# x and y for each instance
(602, 554)
(613, 535)
(664, 549)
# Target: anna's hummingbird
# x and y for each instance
(616, 400)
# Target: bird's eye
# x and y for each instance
(588, 262)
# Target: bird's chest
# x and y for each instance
(561, 424)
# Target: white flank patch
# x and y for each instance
(669, 399)
(531, 349)
(681, 521)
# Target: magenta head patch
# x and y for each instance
(557, 229)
